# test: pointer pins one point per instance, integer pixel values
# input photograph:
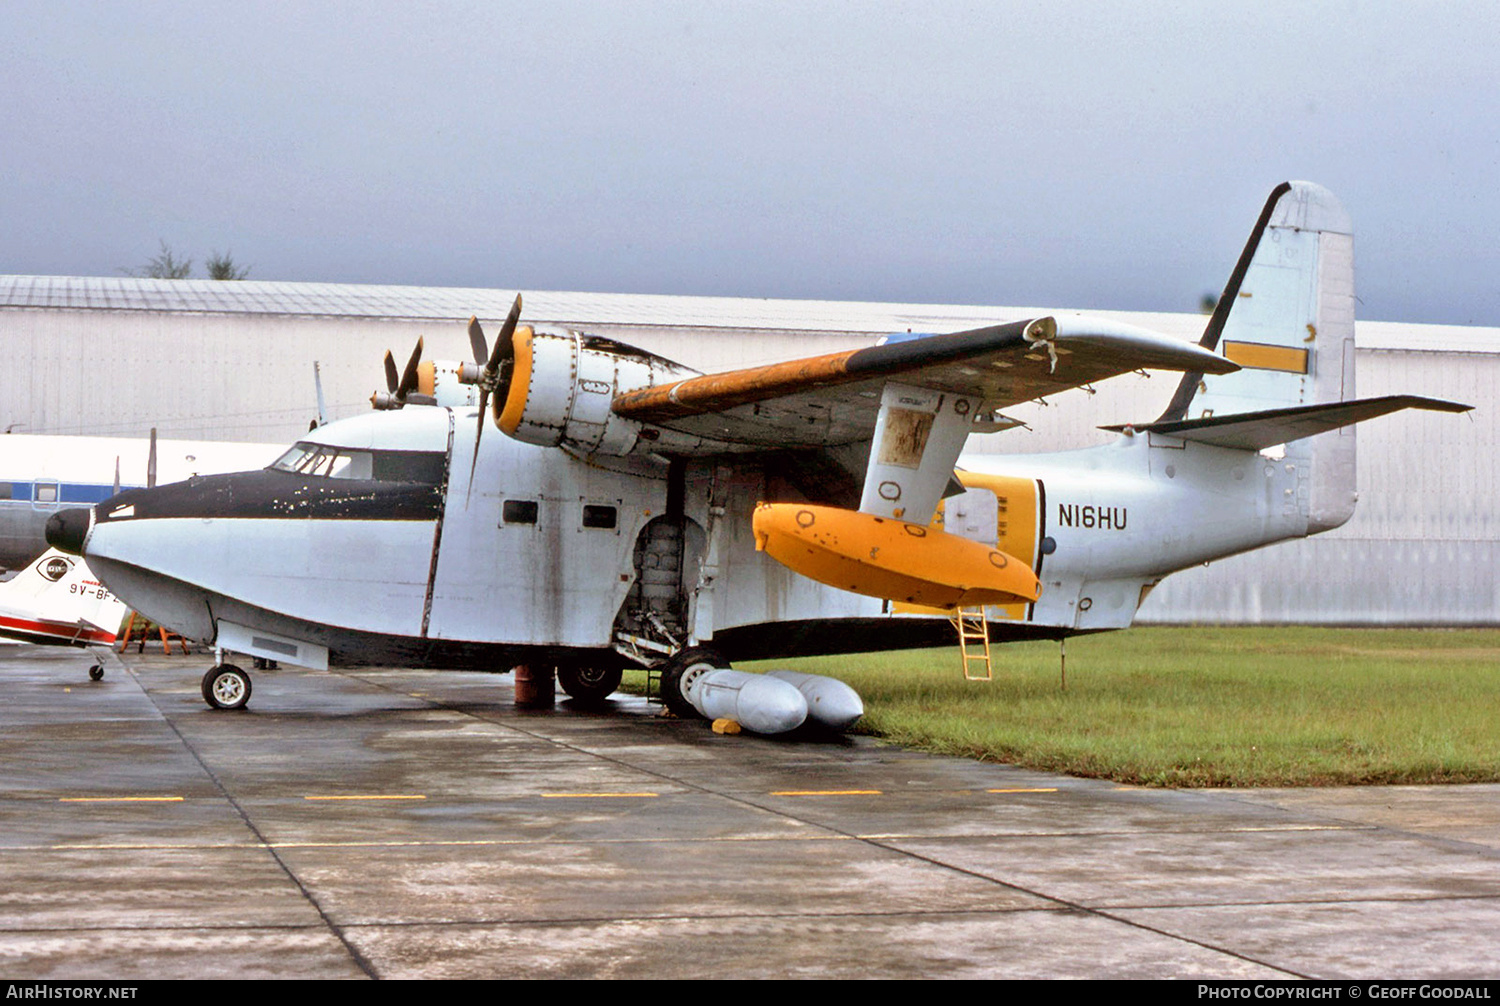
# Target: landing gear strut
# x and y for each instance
(226, 687)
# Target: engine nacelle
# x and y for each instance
(449, 382)
(561, 386)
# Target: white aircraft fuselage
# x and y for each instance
(537, 561)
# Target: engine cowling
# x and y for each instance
(561, 386)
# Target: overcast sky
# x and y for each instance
(1057, 154)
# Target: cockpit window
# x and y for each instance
(346, 463)
(330, 462)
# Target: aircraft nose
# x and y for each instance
(66, 529)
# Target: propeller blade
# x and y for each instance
(484, 401)
(503, 342)
(503, 350)
(476, 341)
(390, 372)
(409, 376)
(151, 462)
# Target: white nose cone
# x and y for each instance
(755, 701)
(829, 701)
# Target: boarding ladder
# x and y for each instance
(973, 642)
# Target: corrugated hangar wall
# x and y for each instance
(1421, 548)
(250, 377)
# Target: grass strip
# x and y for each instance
(1202, 706)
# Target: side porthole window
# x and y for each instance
(46, 493)
(518, 512)
(599, 516)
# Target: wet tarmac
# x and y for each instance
(396, 823)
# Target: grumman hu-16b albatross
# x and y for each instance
(637, 513)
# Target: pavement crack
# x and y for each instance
(333, 927)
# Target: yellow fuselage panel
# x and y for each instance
(1018, 520)
(1019, 516)
(891, 559)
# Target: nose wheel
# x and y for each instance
(226, 687)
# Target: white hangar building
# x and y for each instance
(199, 359)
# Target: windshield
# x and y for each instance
(346, 463)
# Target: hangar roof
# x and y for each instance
(428, 303)
(432, 303)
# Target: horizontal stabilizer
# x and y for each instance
(1254, 431)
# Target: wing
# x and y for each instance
(836, 399)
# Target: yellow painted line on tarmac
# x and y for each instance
(1030, 789)
(1304, 827)
(372, 796)
(482, 842)
(826, 792)
(591, 796)
(413, 844)
(135, 846)
(120, 799)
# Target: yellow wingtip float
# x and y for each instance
(890, 559)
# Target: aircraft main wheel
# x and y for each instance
(681, 671)
(589, 685)
(96, 673)
(226, 687)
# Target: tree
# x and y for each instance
(223, 267)
(164, 266)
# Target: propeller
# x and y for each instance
(399, 388)
(409, 375)
(495, 379)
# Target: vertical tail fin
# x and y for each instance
(1287, 317)
(1286, 314)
